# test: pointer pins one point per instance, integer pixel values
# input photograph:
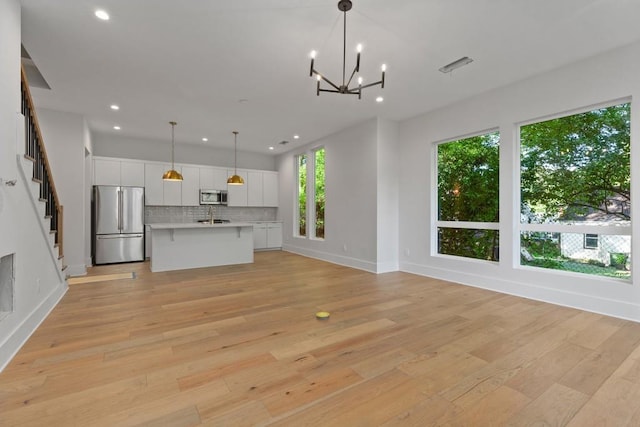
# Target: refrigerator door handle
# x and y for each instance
(120, 236)
(120, 209)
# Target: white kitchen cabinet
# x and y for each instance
(132, 174)
(270, 189)
(267, 235)
(106, 172)
(206, 178)
(173, 191)
(147, 241)
(254, 189)
(190, 186)
(153, 183)
(260, 236)
(219, 179)
(274, 234)
(116, 172)
(213, 178)
(159, 192)
(237, 193)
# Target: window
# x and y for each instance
(306, 211)
(468, 197)
(301, 208)
(319, 195)
(575, 182)
(591, 241)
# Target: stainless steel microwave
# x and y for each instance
(213, 197)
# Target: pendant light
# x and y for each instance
(235, 179)
(172, 174)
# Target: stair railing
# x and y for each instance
(36, 152)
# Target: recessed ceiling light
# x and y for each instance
(115, 107)
(116, 127)
(379, 99)
(205, 139)
(101, 14)
(272, 148)
(296, 136)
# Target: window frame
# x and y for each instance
(436, 223)
(296, 208)
(310, 209)
(591, 236)
(579, 228)
(312, 196)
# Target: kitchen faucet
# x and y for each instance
(211, 214)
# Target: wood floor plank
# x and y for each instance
(240, 345)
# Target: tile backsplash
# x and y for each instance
(164, 214)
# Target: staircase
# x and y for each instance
(34, 165)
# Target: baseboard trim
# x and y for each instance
(609, 307)
(20, 335)
(332, 258)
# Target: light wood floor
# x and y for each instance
(239, 345)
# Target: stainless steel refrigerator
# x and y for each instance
(118, 224)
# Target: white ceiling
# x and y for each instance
(193, 60)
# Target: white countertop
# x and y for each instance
(182, 225)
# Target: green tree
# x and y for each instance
(319, 192)
(468, 190)
(575, 165)
(302, 195)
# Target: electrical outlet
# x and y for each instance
(407, 252)
(344, 247)
(38, 285)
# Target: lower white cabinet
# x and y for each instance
(147, 241)
(267, 235)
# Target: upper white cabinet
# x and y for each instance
(172, 191)
(219, 179)
(238, 193)
(270, 189)
(254, 189)
(159, 192)
(213, 178)
(190, 186)
(153, 183)
(260, 187)
(132, 174)
(116, 172)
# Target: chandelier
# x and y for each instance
(344, 88)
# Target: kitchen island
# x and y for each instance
(179, 246)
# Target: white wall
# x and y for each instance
(142, 149)
(38, 284)
(351, 211)
(388, 195)
(65, 136)
(88, 182)
(607, 77)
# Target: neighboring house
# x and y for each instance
(602, 248)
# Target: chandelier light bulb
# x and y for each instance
(319, 77)
(359, 80)
(313, 54)
(384, 67)
(359, 48)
